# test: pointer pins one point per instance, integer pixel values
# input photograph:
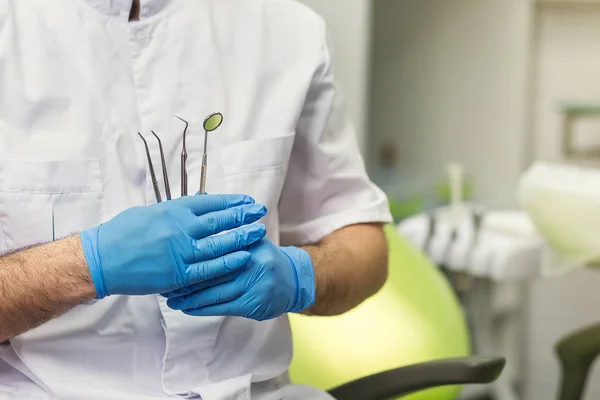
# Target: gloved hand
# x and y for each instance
(167, 246)
(275, 281)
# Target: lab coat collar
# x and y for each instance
(122, 8)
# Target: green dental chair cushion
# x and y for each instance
(414, 318)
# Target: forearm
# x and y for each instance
(41, 283)
(350, 266)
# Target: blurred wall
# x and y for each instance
(450, 83)
(349, 23)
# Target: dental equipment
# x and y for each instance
(184, 183)
(211, 123)
(152, 173)
(164, 167)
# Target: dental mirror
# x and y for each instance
(211, 123)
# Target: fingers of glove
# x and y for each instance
(235, 240)
(219, 221)
(201, 205)
(202, 285)
(207, 270)
(208, 297)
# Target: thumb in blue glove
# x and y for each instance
(275, 281)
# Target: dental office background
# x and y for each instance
(479, 82)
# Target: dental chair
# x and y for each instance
(577, 353)
(409, 341)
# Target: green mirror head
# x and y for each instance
(213, 121)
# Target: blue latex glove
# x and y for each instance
(167, 246)
(275, 281)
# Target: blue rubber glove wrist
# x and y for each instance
(275, 281)
(304, 274)
(89, 243)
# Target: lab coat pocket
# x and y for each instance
(41, 201)
(258, 167)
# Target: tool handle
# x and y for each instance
(165, 175)
(203, 175)
(154, 181)
(156, 191)
(184, 181)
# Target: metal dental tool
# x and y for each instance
(164, 167)
(184, 182)
(152, 173)
(211, 123)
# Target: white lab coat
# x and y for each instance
(77, 82)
